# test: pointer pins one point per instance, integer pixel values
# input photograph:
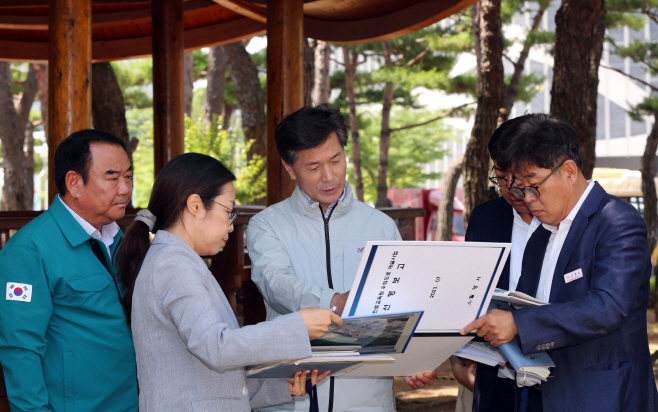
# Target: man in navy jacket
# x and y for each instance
(505, 219)
(595, 274)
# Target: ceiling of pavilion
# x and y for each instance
(122, 28)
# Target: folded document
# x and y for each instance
(531, 368)
(322, 364)
(361, 340)
(517, 299)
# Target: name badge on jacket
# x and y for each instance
(571, 276)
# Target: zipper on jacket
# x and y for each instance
(331, 286)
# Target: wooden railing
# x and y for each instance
(231, 267)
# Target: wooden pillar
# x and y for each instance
(69, 75)
(168, 109)
(285, 83)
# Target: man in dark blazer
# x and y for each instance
(595, 275)
(495, 221)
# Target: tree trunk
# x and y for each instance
(515, 81)
(648, 183)
(446, 204)
(309, 73)
(322, 90)
(649, 193)
(490, 97)
(579, 33)
(350, 77)
(213, 104)
(17, 192)
(42, 82)
(250, 96)
(188, 81)
(228, 113)
(385, 134)
(107, 106)
(30, 89)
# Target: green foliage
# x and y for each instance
(635, 14)
(410, 149)
(232, 152)
(140, 125)
(540, 37)
(200, 62)
(530, 86)
(134, 77)
(134, 72)
(639, 51)
(647, 107)
(622, 13)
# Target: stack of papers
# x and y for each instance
(321, 363)
(345, 348)
(517, 299)
(535, 366)
(482, 352)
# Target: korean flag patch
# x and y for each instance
(19, 291)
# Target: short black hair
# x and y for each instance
(539, 139)
(495, 138)
(308, 128)
(73, 154)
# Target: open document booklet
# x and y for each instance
(535, 366)
(360, 340)
(451, 283)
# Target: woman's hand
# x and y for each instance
(297, 385)
(317, 321)
(421, 380)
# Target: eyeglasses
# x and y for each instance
(498, 182)
(232, 213)
(533, 190)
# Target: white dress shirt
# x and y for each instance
(521, 232)
(107, 233)
(555, 242)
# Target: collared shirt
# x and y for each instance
(521, 232)
(556, 241)
(331, 206)
(107, 233)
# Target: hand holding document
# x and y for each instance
(358, 341)
(530, 369)
(451, 282)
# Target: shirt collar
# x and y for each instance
(518, 220)
(108, 231)
(312, 202)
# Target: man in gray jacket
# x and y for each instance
(305, 250)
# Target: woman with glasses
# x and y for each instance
(191, 353)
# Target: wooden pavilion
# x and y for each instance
(71, 34)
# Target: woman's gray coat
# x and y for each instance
(191, 353)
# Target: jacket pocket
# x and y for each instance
(219, 405)
(89, 283)
(608, 366)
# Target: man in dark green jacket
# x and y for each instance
(64, 342)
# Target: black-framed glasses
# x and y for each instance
(232, 213)
(532, 190)
(498, 182)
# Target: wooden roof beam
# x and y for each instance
(244, 8)
(111, 19)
